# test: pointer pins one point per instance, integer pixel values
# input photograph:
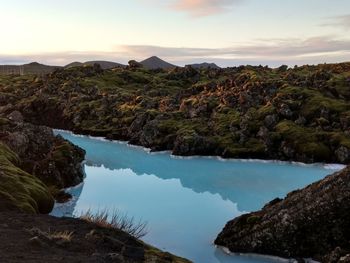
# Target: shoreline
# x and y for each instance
(328, 166)
(262, 256)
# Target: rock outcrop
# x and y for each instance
(308, 223)
(35, 165)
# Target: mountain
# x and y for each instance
(204, 65)
(155, 63)
(103, 64)
(26, 69)
(74, 64)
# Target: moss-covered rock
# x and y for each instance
(20, 190)
(247, 111)
(34, 165)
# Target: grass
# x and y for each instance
(116, 220)
(65, 236)
(60, 236)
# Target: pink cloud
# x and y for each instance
(203, 7)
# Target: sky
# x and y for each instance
(227, 32)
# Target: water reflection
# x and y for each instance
(250, 185)
(185, 201)
(67, 209)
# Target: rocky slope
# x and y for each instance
(300, 114)
(42, 239)
(308, 223)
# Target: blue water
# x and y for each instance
(186, 201)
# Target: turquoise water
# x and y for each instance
(186, 201)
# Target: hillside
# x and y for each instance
(156, 63)
(299, 114)
(204, 65)
(26, 69)
(103, 64)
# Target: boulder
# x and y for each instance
(308, 223)
(343, 154)
(15, 116)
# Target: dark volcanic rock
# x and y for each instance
(306, 110)
(312, 222)
(35, 164)
(193, 145)
(51, 158)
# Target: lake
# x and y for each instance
(185, 201)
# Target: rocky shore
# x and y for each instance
(300, 114)
(309, 223)
(34, 166)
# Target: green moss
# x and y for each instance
(340, 139)
(315, 150)
(313, 105)
(313, 100)
(19, 189)
(293, 132)
(268, 109)
(223, 121)
(305, 140)
(61, 153)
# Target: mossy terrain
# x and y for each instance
(300, 113)
(20, 190)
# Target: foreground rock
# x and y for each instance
(312, 222)
(35, 164)
(41, 239)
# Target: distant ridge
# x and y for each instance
(204, 65)
(156, 63)
(26, 69)
(103, 64)
(153, 62)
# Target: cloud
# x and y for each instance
(339, 21)
(320, 49)
(288, 48)
(197, 8)
(272, 52)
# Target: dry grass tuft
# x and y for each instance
(116, 220)
(62, 235)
